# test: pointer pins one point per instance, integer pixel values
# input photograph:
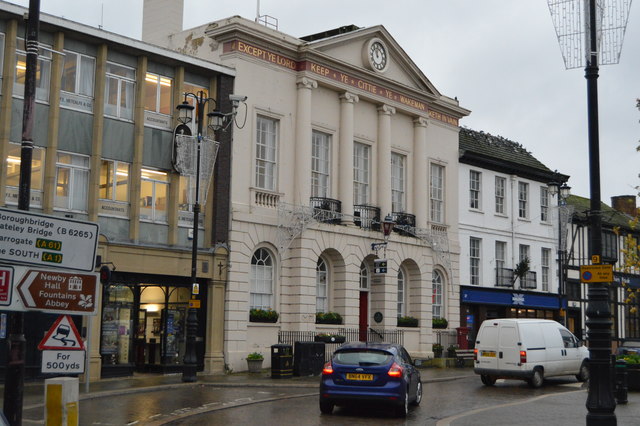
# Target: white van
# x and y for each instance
(528, 349)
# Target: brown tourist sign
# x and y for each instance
(59, 291)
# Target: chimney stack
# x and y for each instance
(625, 204)
(161, 19)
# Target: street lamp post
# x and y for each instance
(193, 165)
(562, 190)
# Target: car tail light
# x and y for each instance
(328, 369)
(395, 370)
(523, 357)
(475, 354)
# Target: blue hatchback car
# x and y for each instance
(370, 372)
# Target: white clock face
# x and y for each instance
(378, 56)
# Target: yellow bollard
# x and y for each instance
(61, 401)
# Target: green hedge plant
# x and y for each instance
(440, 323)
(407, 321)
(328, 318)
(263, 315)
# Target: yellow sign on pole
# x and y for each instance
(595, 259)
(596, 273)
(194, 303)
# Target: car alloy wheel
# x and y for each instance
(418, 394)
(403, 410)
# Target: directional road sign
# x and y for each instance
(37, 239)
(59, 291)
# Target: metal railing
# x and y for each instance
(326, 210)
(367, 217)
(446, 337)
(504, 277)
(350, 334)
(529, 280)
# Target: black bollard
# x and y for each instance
(621, 381)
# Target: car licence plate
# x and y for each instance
(490, 354)
(360, 377)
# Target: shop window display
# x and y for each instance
(117, 323)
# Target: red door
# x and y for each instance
(364, 315)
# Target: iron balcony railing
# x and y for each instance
(404, 222)
(367, 217)
(326, 210)
(504, 277)
(529, 280)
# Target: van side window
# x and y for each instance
(568, 339)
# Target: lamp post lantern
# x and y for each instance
(196, 157)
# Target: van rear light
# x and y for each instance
(475, 354)
(328, 369)
(523, 357)
(395, 371)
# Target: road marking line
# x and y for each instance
(447, 421)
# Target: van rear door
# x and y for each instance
(488, 345)
(508, 349)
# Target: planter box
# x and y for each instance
(254, 365)
(329, 339)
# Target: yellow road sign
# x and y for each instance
(596, 273)
(194, 303)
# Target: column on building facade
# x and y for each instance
(174, 178)
(138, 142)
(51, 156)
(384, 159)
(420, 177)
(214, 338)
(345, 161)
(98, 132)
(302, 166)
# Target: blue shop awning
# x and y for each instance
(512, 298)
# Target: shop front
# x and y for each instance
(143, 324)
(479, 304)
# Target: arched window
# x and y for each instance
(261, 278)
(436, 301)
(322, 286)
(364, 277)
(401, 293)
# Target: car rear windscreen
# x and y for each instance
(362, 357)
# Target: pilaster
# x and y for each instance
(345, 169)
(384, 158)
(420, 178)
(302, 165)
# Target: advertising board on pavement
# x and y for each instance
(37, 239)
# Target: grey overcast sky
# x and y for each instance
(500, 58)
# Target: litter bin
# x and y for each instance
(281, 361)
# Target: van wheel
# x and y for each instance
(583, 375)
(537, 379)
(488, 380)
